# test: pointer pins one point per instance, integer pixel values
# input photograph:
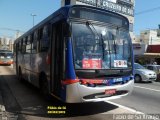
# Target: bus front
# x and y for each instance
(102, 55)
(6, 57)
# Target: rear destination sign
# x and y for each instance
(105, 4)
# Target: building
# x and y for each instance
(6, 43)
(148, 46)
(150, 37)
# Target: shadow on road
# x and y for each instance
(144, 82)
(25, 99)
(72, 110)
(82, 109)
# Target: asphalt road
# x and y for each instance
(144, 98)
(24, 102)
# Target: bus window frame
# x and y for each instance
(28, 45)
(44, 38)
(35, 42)
(23, 45)
(20, 42)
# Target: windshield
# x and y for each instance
(6, 55)
(100, 47)
(138, 66)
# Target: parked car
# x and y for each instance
(143, 74)
(155, 68)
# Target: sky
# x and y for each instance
(16, 14)
(150, 19)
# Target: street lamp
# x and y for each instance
(33, 15)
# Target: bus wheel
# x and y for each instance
(44, 86)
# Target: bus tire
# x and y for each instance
(44, 86)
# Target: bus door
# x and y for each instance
(57, 58)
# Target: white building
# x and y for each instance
(147, 46)
(150, 37)
(145, 39)
(6, 43)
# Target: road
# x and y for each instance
(144, 98)
(24, 102)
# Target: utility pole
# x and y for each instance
(33, 15)
(17, 34)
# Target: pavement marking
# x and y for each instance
(153, 117)
(124, 107)
(147, 88)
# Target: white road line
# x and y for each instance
(124, 107)
(134, 110)
(153, 117)
(147, 88)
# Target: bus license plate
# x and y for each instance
(110, 91)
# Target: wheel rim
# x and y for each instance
(137, 78)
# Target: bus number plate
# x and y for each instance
(110, 91)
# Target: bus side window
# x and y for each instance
(14, 47)
(20, 46)
(23, 46)
(44, 38)
(34, 44)
(28, 45)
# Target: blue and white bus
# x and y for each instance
(78, 54)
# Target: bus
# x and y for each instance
(78, 54)
(6, 57)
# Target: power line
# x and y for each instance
(18, 32)
(147, 11)
(10, 29)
